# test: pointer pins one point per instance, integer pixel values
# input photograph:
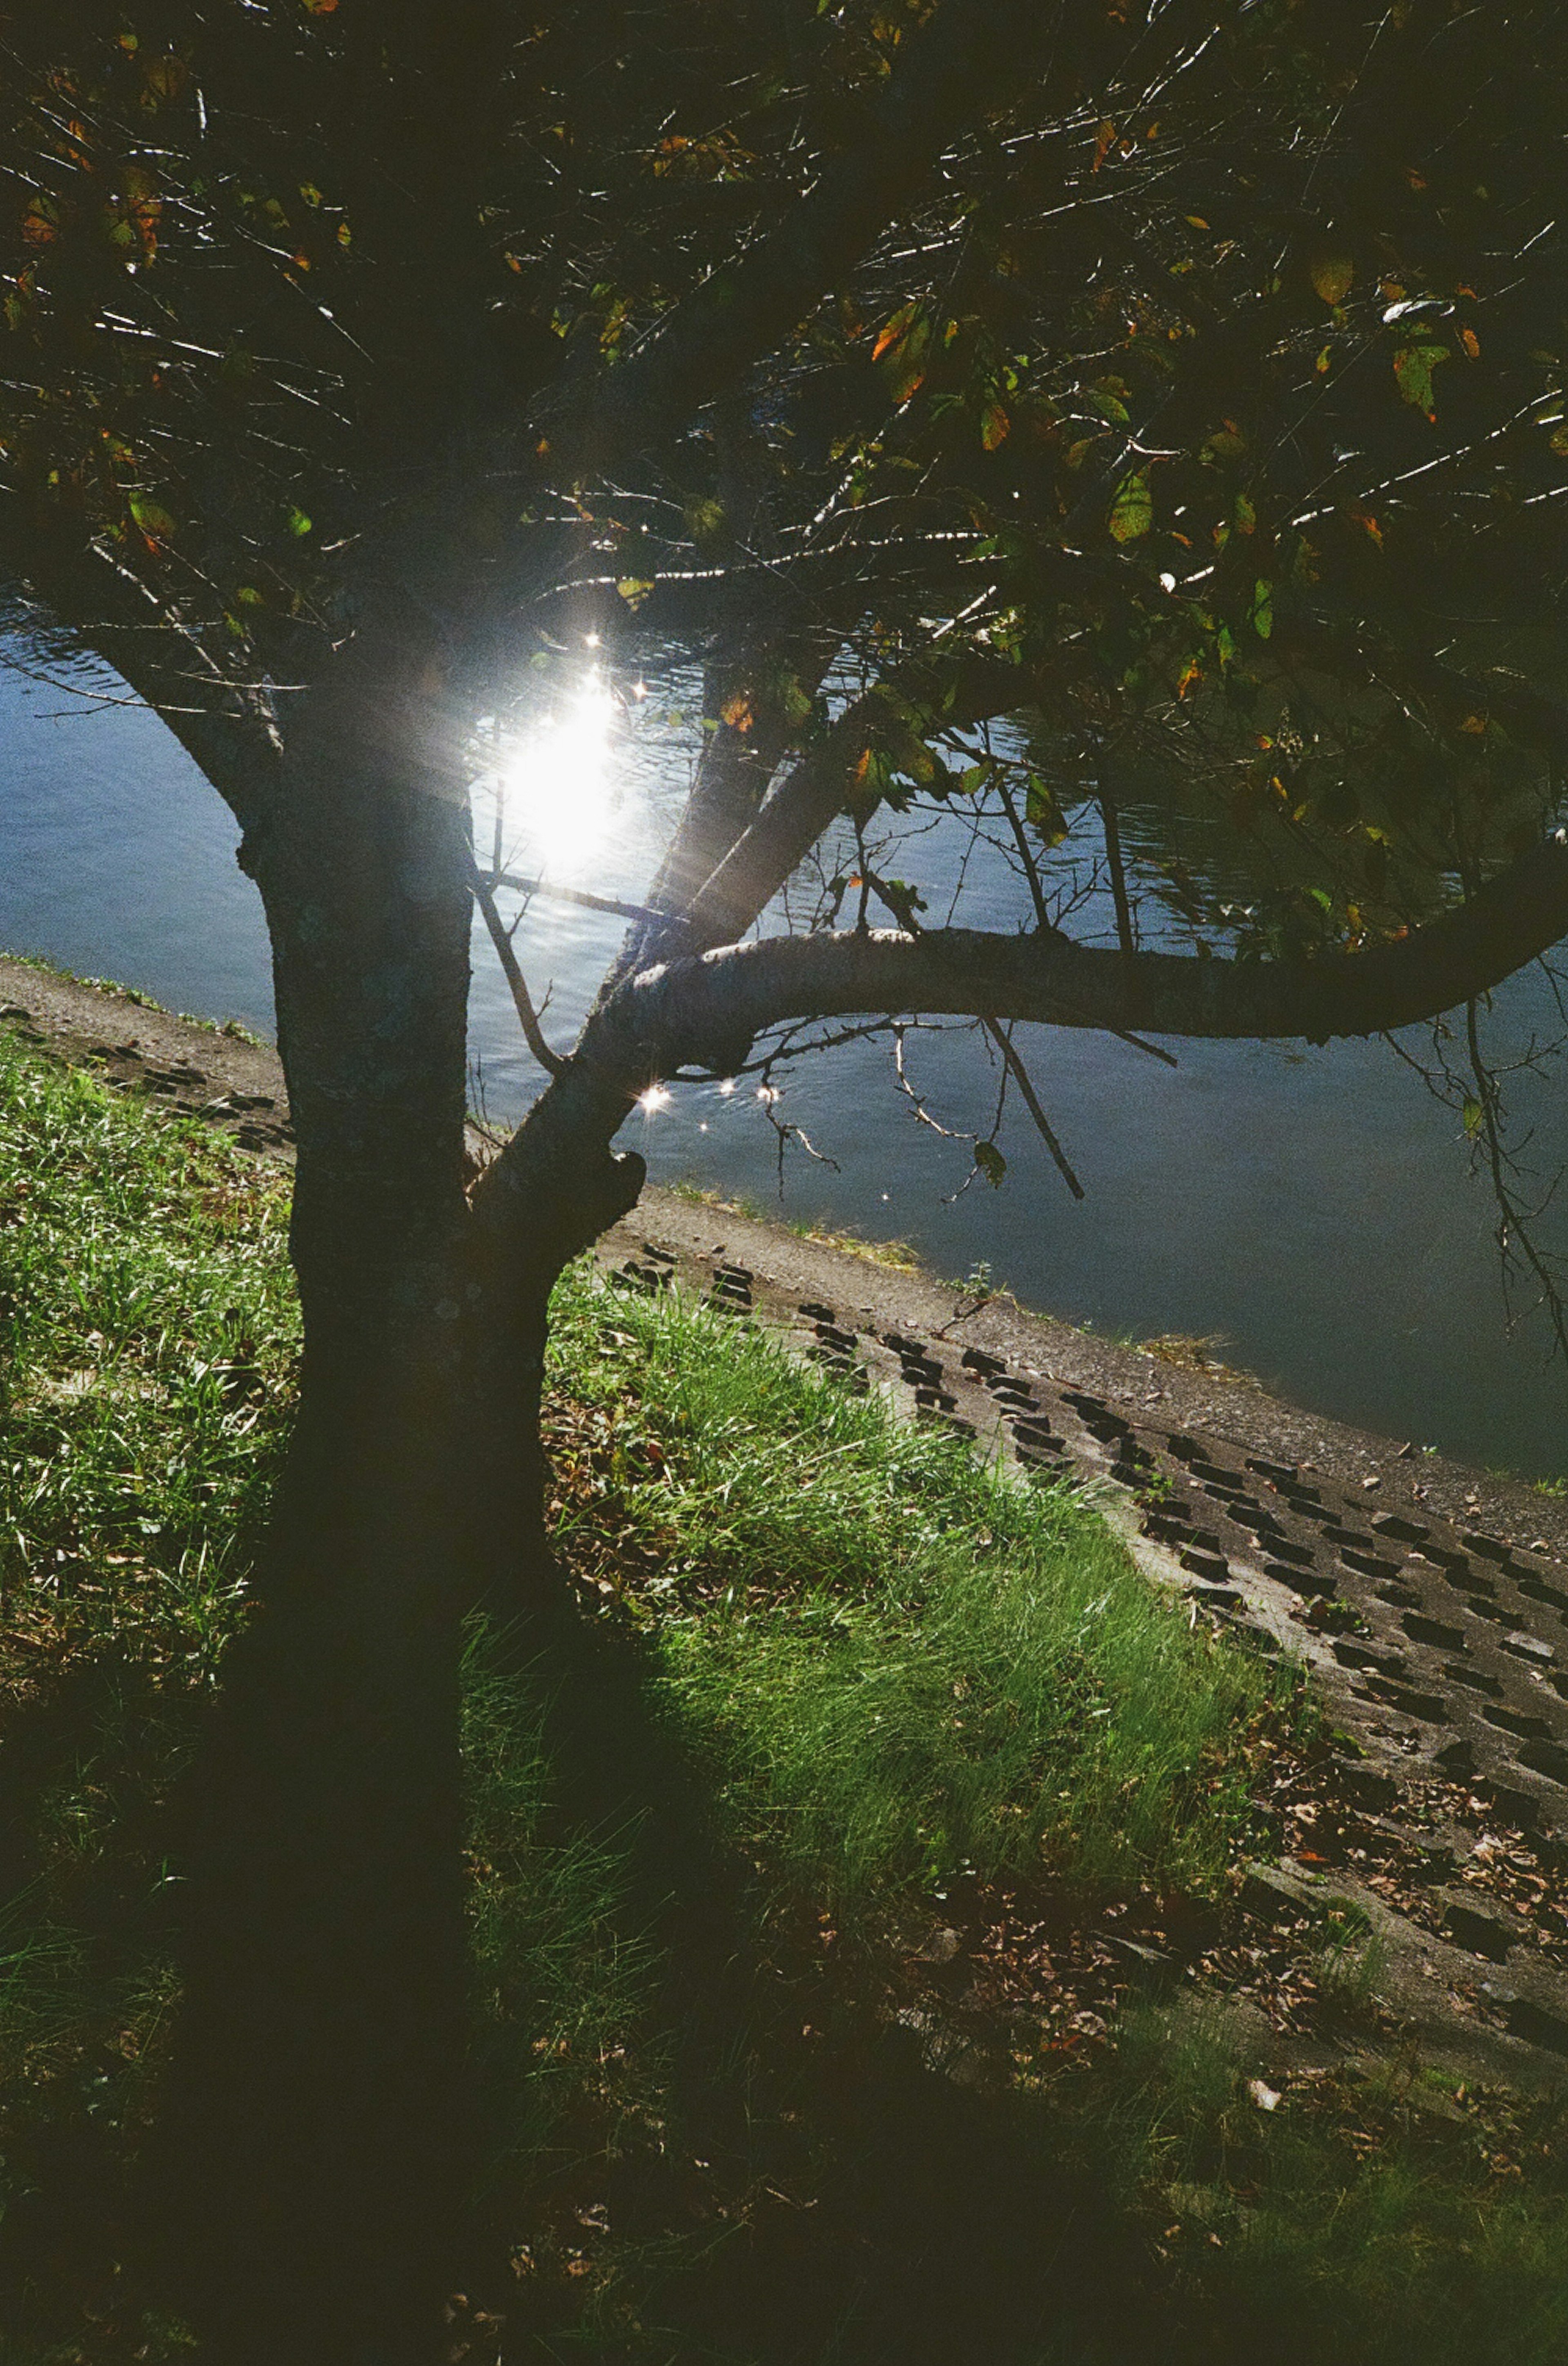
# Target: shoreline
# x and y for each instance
(197, 1068)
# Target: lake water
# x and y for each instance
(1315, 1210)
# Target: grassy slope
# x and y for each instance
(844, 1676)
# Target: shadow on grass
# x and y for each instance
(348, 2134)
(816, 2192)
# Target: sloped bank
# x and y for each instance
(1429, 1601)
(992, 1986)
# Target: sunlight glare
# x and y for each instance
(558, 784)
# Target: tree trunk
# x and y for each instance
(315, 2135)
(314, 2153)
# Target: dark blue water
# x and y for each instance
(1315, 1209)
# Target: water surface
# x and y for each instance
(1315, 1210)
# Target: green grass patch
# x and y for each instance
(899, 1663)
(843, 1672)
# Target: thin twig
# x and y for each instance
(1020, 1074)
(580, 896)
(1118, 873)
(549, 1061)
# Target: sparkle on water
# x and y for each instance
(556, 785)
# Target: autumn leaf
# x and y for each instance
(895, 331)
(1132, 510)
(994, 425)
(40, 223)
(1331, 277)
(1413, 367)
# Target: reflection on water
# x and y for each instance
(1315, 1207)
(549, 800)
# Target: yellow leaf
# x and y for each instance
(1331, 277)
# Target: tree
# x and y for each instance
(1177, 383)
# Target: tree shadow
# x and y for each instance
(878, 2208)
(302, 2192)
(318, 2177)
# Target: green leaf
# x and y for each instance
(1043, 812)
(991, 1164)
(1263, 608)
(1132, 510)
(298, 522)
(1413, 367)
(634, 589)
(1473, 1113)
(705, 519)
(152, 516)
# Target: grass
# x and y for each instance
(900, 1662)
(1387, 2211)
(848, 1687)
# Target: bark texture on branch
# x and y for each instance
(739, 990)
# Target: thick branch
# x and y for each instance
(740, 990)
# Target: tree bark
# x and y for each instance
(684, 1011)
(315, 2137)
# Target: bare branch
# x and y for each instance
(522, 1000)
(1002, 1039)
(815, 792)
